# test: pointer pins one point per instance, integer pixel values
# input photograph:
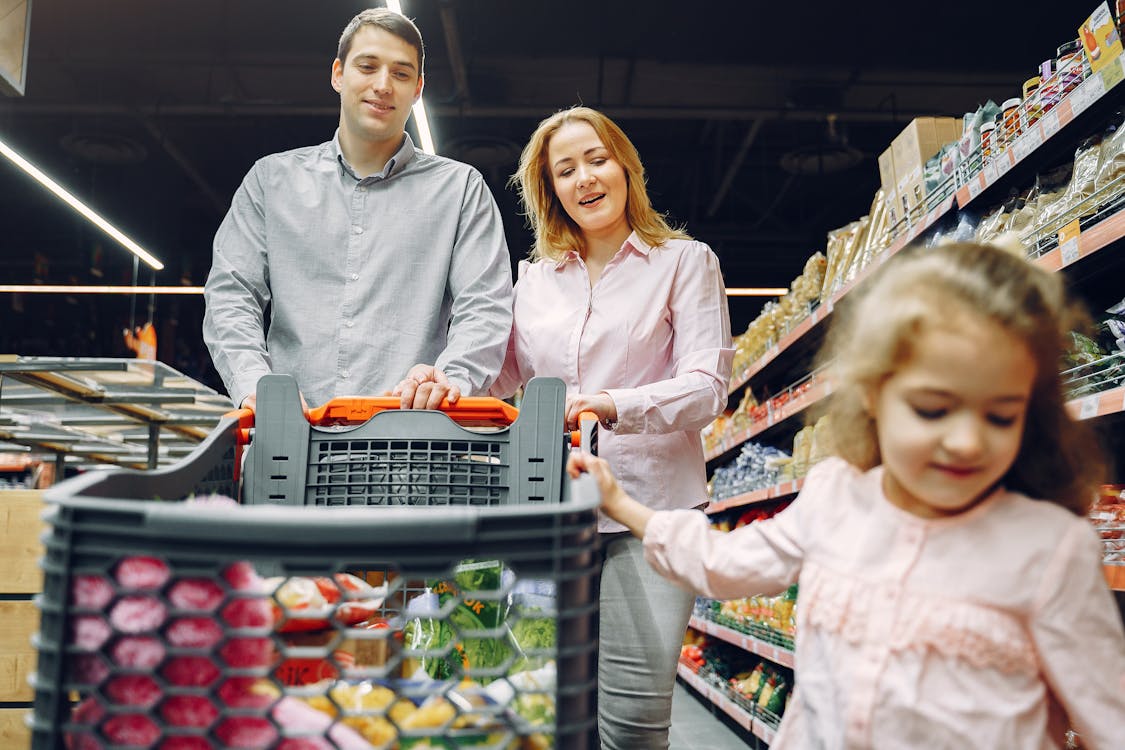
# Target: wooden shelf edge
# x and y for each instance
(776, 654)
(785, 489)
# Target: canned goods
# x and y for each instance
(1049, 93)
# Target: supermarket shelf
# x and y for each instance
(1115, 576)
(1092, 91)
(1098, 404)
(785, 489)
(776, 654)
(1089, 241)
(743, 718)
(824, 311)
(799, 331)
(818, 390)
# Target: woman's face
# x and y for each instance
(588, 181)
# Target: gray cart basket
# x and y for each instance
(103, 525)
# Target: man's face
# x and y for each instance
(378, 84)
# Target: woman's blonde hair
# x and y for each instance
(555, 232)
(873, 328)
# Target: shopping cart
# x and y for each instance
(466, 620)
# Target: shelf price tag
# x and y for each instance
(1114, 74)
(1089, 407)
(1068, 242)
(1050, 123)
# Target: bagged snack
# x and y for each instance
(1111, 165)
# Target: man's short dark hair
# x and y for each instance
(389, 21)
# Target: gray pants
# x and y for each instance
(643, 618)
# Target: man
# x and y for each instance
(373, 258)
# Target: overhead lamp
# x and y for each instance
(67, 198)
(756, 291)
(419, 109)
(97, 289)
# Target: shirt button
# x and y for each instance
(345, 374)
(349, 323)
(355, 277)
(357, 229)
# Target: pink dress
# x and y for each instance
(915, 633)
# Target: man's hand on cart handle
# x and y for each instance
(598, 403)
(425, 387)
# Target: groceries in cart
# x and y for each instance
(176, 661)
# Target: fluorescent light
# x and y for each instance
(419, 109)
(79, 206)
(423, 124)
(757, 291)
(94, 289)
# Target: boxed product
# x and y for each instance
(912, 148)
(888, 181)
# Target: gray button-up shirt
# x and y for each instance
(362, 278)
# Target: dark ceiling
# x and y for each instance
(153, 110)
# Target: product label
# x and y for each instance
(1028, 142)
(1068, 242)
(1100, 40)
(1089, 92)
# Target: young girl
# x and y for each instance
(950, 585)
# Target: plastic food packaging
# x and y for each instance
(1111, 166)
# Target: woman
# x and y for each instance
(632, 315)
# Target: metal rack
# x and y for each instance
(86, 411)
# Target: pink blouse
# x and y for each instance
(654, 333)
(915, 633)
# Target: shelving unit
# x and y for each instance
(1081, 247)
(776, 654)
(776, 492)
(719, 698)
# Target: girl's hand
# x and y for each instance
(615, 502)
(599, 403)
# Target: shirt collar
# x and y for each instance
(632, 242)
(397, 163)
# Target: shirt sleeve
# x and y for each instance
(237, 292)
(701, 350)
(480, 285)
(1078, 634)
(764, 557)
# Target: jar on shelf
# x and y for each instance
(1070, 67)
(1048, 92)
(986, 132)
(1032, 109)
(1010, 123)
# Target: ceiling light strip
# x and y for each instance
(419, 109)
(95, 289)
(79, 206)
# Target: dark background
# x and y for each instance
(759, 123)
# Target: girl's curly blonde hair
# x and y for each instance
(875, 325)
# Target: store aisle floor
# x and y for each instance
(694, 727)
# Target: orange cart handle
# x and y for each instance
(469, 411)
(583, 420)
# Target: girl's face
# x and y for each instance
(588, 181)
(950, 420)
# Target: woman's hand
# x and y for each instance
(599, 403)
(615, 502)
(425, 387)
